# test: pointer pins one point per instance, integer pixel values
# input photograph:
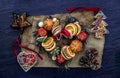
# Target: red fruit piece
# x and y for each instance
(82, 36)
(66, 32)
(60, 59)
(42, 32)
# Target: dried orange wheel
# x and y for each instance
(51, 48)
(42, 32)
(56, 29)
(78, 27)
(63, 53)
(72, 27)
(47, 47)
(48, 42)
(69, 52)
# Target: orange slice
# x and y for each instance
(78, 27)
(53, 47)
(47, 47)
(63, 53)
(69, 52)
(48, 42)
(72, 27)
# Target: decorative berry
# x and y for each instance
(40, 24)
(60, 59)
(82, 36)
(54, 19)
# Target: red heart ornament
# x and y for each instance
(26, 60)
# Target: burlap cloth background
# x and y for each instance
(85, 18)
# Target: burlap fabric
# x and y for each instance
(86, 18)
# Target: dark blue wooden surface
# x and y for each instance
(9, 68)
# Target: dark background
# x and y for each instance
(9, 67)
